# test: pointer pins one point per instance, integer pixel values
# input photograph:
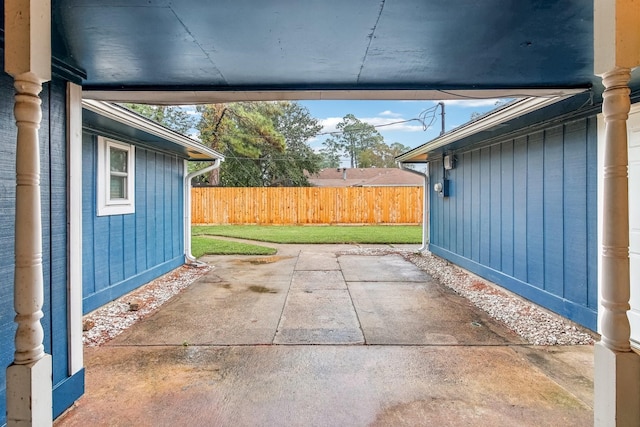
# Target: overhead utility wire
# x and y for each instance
(422, 118)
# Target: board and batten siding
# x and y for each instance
(522, 213)
(123, 252)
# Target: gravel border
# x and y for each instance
(110, 320)
(533, 323)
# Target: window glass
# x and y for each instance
(118, 187)
(118, 173)
(118, 160)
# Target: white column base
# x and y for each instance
(617, 388)
(29, 397)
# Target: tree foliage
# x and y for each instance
(264, 143)
(381, 155)
(297, 127)
(353, 138)
(362, 144)
(173, 117)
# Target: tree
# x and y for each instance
(330, 155)
(265, 143)
(245, 133)
(352, 139)
(173, 117)
(299, 160)
(381, 155)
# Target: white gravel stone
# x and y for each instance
(112, 319)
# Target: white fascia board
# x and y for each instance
(167, 97)
(126, 117)
(493, 118)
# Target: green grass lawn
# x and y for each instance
(316, 234)
(201, 245)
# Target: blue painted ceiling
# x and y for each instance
(326, 45)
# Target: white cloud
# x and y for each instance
(389, 113)
(383, 123)
(465, 103)
(396, 123)
(329, 124)
(472, 103)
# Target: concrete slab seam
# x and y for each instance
(275, 334)
(355, 310)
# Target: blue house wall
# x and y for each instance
(67, 388)
(522, 213)
(122, 252)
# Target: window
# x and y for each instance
(116, 177)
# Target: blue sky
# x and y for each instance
(410, 133)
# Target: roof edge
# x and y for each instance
(130, 118)
(208, 95)
(487, 121)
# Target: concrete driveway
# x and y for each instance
(309, 337)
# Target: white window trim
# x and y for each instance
(106, 206)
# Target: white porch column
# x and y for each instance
(28, 60)
(617, 367)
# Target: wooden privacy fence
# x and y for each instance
(307, 205)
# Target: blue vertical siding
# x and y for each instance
(45, 135)
(485, 206)
(467, 179)
(141, 215)
(474, 212)
(88, 210)
(122, 252)
(535, 210)
(57, 207)
(526, 210)
(129, 251)
(495, 209)
(553, 194)
(66, 388)
(520, 195)
(592, 214)
(575, 222)
(177, 216)
(153, 233)
(507, 228)
(114, 224)
(460, 192)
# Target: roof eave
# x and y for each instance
(493, 118)
(196, 150)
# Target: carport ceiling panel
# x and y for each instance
(135, 44)
(284, 43)
(492, 43)
(225, 43)
(329, 44)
